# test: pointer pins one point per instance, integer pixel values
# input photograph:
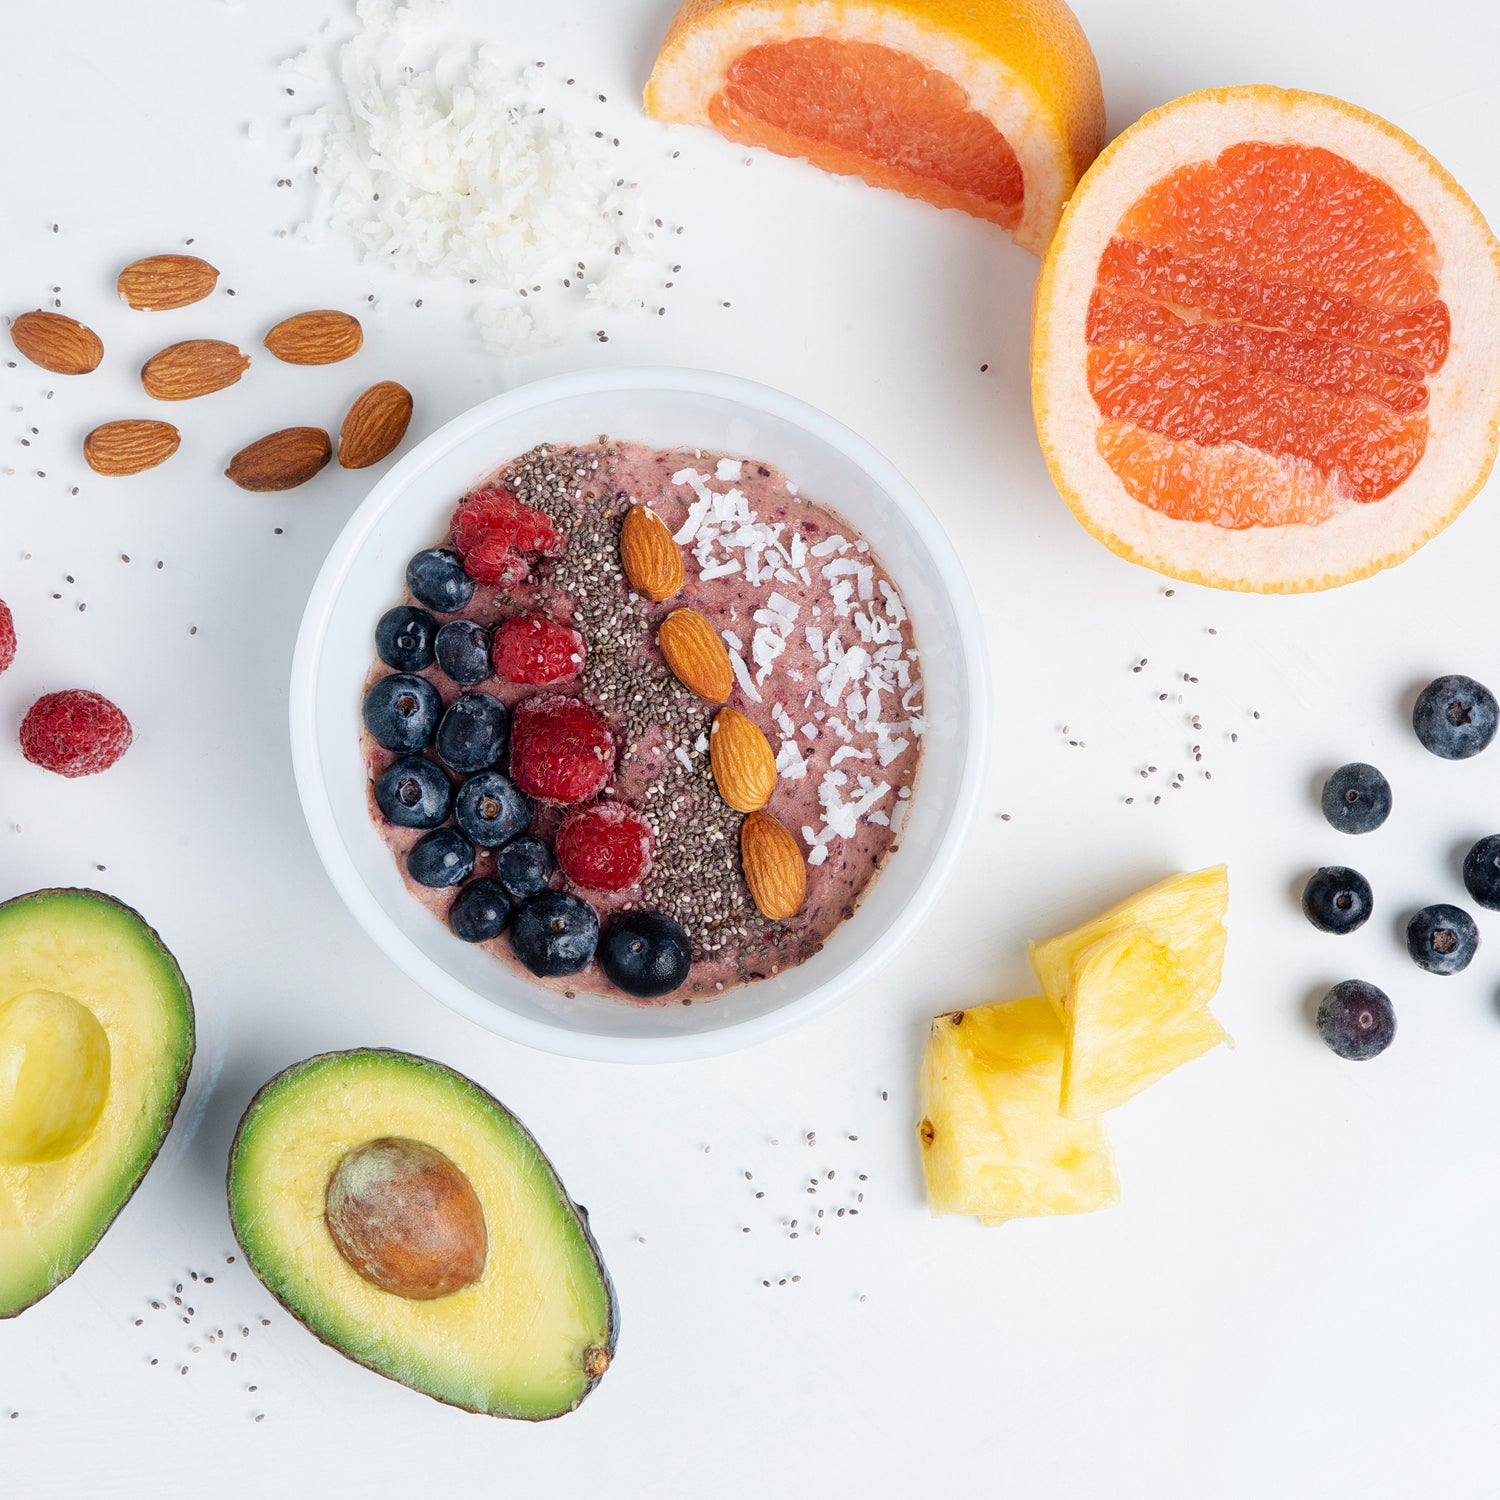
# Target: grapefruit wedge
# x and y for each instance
(1266, 343)
(989, 106)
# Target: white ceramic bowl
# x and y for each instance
(408, 509)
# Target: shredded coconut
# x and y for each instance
(471, 180)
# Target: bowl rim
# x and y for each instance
(317, 806)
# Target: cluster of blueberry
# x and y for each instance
(1455, 718)
(552, 932)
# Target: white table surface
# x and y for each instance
(1298, 1294)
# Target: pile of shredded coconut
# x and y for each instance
(868, 678)
(470, 180)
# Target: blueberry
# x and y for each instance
(479, 911)
(471, 734)
(441, 858)
(463, 651)
(524, 867)
(1442, 939)
(437, 578)
(554, 933)
(646, 954)
(490, 809)
(1356, 798)
(1455, 717)
(403, 638)
(1357, 1020)
(413, 793)
(1482, 872)
(401, 712)
(1337, 899)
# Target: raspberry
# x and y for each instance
(494, 533)
(492, 559)
(532, 648)
(7, 636)
(604, 847)
(561, 749)
(74, 733)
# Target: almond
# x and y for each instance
(375, 425)
(316, 338)
(62, 345)
(743, 764)
(162, 282)
(774, 868)
(651, 559)
(129, 447)
(696, 654)
(196, 367)
(281, 460)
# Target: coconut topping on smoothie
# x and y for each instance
(705, 692)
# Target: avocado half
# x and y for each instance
(529, 1338)
(96, 1040)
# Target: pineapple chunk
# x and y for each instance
(1135, 1011)
(1187, 912)
(1132, 988)
(993, 1142)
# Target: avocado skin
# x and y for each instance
(450, 1075)
(169, 1114)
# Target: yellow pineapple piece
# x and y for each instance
(1187, 911)
(993, 1142)
(1132, 987)
(1136, 1009)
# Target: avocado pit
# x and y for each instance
(406, 1219)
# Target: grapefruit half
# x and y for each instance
(989, 106)
(1266, 343)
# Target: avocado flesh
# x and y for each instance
(85, 948)
(529, 1339)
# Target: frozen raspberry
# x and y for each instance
(561, 749)
(604, 847)
(7, 636)
(495, 534)
(74, 733)
(532, 648)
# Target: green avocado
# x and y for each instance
(412, 1223)
(96, 1039)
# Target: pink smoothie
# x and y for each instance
(825, 663)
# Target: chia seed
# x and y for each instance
(695, 877)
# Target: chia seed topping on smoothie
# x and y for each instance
(824, 665)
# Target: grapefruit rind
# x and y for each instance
(1356, 540)
(1025, 65)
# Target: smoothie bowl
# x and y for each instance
(532, 759)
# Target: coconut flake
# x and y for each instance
(789, 762)
(742, 676)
